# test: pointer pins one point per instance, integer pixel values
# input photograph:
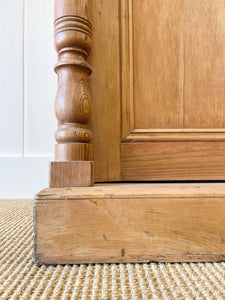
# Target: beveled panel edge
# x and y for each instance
(185, 134)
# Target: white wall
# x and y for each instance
(27, 92)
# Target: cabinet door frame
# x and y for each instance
(211, 141)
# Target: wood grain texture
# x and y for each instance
(127, 67)
(73, 36)
(142, 190)
(178, 61)
(156, 61)
(73, 108)
(173, 161)
(71, 173)
(73, 151)
(81, 8)
(105, 89)
(127, 223)
(204, 96)
(172, 89)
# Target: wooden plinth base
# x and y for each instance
(71, 173)
(130, 223)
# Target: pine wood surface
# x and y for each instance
(105, 89)
(162, 82)
(75, 151)
(81, 8)
(164, 77)
(73, 107)
(71, 173)
(173, 161)
(175, 45)
(182, 190)
(126, 223)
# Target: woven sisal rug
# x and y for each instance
(20, 278)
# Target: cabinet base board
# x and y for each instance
(130, 223)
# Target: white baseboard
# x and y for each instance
(23, 178)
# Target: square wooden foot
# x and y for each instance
(71, 173)
(130, 223)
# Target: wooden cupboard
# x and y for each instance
(140, 99)
(158, 90)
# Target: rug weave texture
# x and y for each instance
(20, 278)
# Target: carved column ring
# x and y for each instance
(72, 31)
(75, 62)
(73, 23)
(73, 133)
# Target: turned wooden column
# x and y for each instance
(73, 151)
